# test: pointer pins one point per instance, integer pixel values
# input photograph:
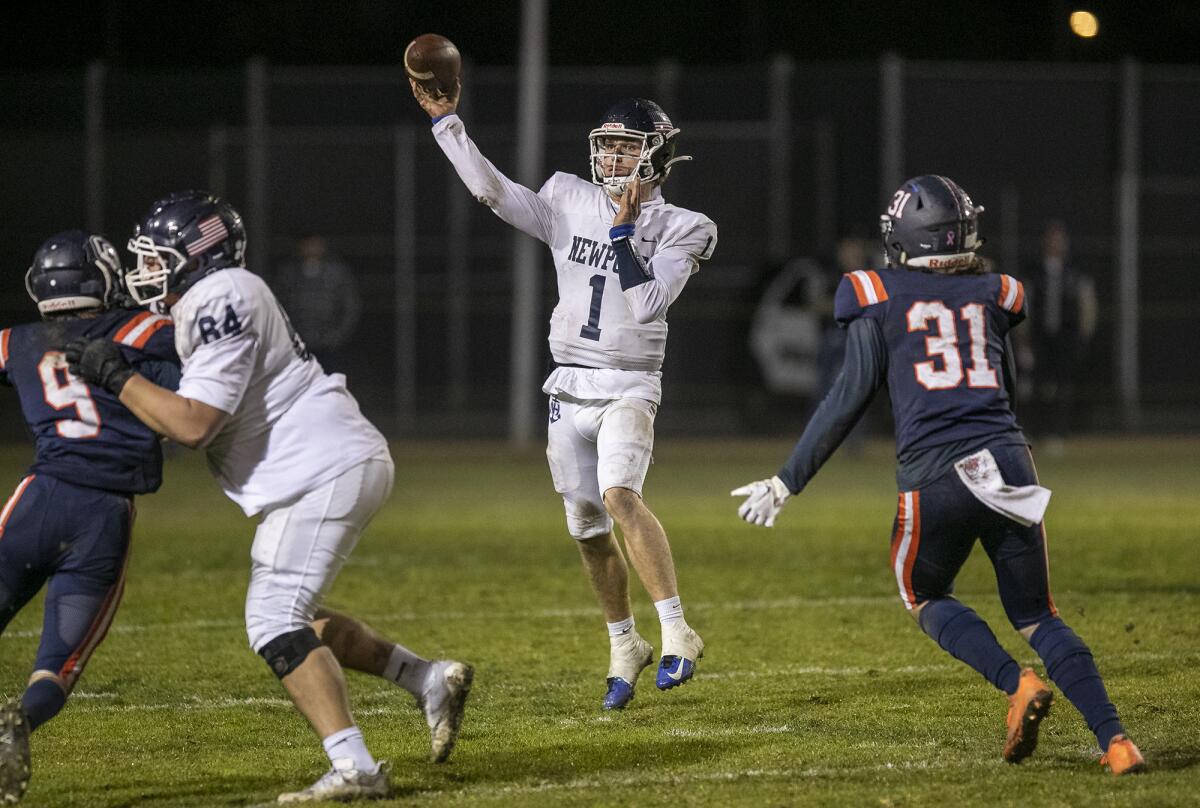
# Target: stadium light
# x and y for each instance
(1084, 24)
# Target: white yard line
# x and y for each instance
(679, 778)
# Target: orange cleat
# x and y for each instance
(1026, 709)
(1123, 757)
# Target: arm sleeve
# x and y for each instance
(1009, 368)
(668, 271)
(514, 203)
(164, 374)
(157, 359)
(863, 372)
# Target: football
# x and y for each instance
(433, 62)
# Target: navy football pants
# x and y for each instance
(77, 539)
(936, 527)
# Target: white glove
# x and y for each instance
(764, 501)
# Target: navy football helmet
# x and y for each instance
(73, 271)
(641, 121)
(185, 236)
(931, 223)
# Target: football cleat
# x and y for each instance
(14, 752)
(344, 783)
(1026, 709)
(1123, 757)
(630, 656)
(681, 648)
(444, 700)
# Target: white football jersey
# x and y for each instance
(619, 337)
(292, 427)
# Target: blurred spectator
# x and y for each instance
(1062, 307)
(320, 296)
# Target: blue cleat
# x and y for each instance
(619, 693)
(681, 648)
(630, 655)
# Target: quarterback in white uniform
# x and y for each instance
(622, 255)
(286, 441)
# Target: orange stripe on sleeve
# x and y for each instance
(880, 292)
(4, 347)
(1020, 298)
(129, 326)
(149, 332)
(859, 291)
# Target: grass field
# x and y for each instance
(816, 688)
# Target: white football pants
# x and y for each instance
(593, 446)
(299, 549)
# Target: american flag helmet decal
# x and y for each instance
(212, 231)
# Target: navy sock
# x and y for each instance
(963, 634)
(1070, 665)
(42, 700)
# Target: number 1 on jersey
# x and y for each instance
(592, 329)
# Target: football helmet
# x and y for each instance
(185, 236)
(931, 223)
(645, 123)
(73, 271)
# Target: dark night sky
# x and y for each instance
(226, 32)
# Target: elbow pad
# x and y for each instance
(630, 267)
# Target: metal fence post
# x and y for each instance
(891, 124)
(218, 159)
(825, 172)
(93, 146)
(405, 251)
(258, 241)
(458, 279)
(779, 188)
(531, 120)
(1127, 212)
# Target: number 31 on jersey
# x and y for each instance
(944, 344)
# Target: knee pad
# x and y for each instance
(585, 520)
(286, 652)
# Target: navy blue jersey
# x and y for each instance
(945, 337)
(83, 434)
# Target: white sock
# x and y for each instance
(349, 743)
(669, 611)
(407, 670)
(620, 629)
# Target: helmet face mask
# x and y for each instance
(610, 150)
(148, 281)
(73, 272)
(931, 224)
(185, 236)
(632, 121)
